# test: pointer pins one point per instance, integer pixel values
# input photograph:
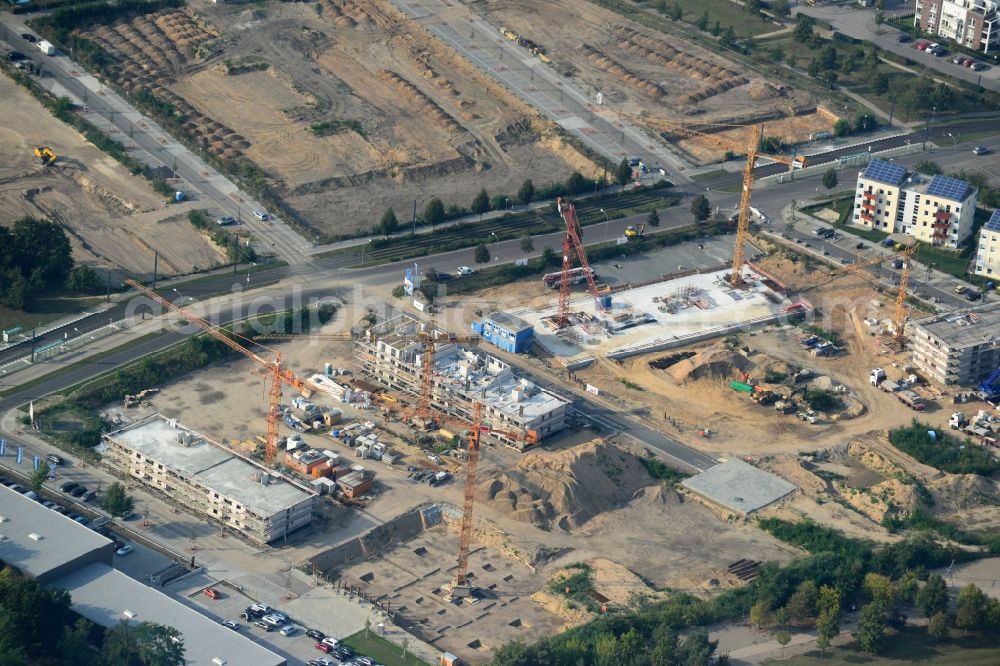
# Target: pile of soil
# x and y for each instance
(565, 489)
(890, 496)
(713, 362)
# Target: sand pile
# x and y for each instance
(566, 488)
(714, 362)
(964, 491)
(892, 496)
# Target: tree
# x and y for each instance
(933, 597)
(527, 244)
(526, 193)
(716, 29)
(83, 280)
(971, 611)
(783, 638)
(700, 208)
(828, 618)
(847, 65)
(828, 58)
(623, 173)
(760, 614)
(38, 477)
(482, 254)
(871, 628)
(728, 37)
(780, 8)
(803, 31)
(702, 22)
(388, 223)
(116, 502)
(815, 68)
(929, 168)
(74, 646)
(802, 604)
(677, 13)
(32, 616)
(830, 178)
(499, 201)
(576, 183)
(906, 587)
(830, 76)
(143, 644)
(938, 626)
(879, 20)
(434, 212)
(653, 219)
(879, 84)
(481, 203)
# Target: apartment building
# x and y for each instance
(988, 251)
(959, 347)
(393, 356)
(973, 24)
(936, 210)
(209, 479)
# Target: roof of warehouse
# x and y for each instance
(739, 486)
(59, 539)
(103, 595)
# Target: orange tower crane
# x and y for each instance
(752, 148)
(273, 367)
(430, 338)
(572, 245)
(899, 320)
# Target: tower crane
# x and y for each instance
(752, 149)
(430, 338)
(572, 245)
(273, 367)
(899, 320)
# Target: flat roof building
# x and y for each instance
(211, 480)
(988, 251)
(937, 210)
(506, 331)
(461, 376)
(958, 347)
(43, 544)
(62, 553)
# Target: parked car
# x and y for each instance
(980, 150)
(322, 661)
(958, 60)
(902, 38)
(15, 56)
(289, 630)
(235, 626)
(78, 491)
(264, 625)
(364, 661)
(124, 550)
(342, 652)
(18, 488)
(262, 215)
(225, 220)
(50, 504)
(83, 520)
(28, 37)
(68, 486)
(860, 245)
(976, 66)
(330, 642)
(972, 295)
(54, 459)
(273, 620)
(212, 593)
(465, 270)
(89, 496)
(315, 634)
(323, 647)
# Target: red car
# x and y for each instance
(323, 647)
(921, 46)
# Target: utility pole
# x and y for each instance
(32, 345)
(413, 221)
(892, 108)
(107, 298)
(156, 261)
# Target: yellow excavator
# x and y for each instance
(632, 232)
(45, 154)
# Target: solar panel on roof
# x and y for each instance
(994, 222)
(948, 188)
(885, 172)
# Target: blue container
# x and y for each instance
(178, 197)
(606, 302)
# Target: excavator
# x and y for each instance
(45, 154)
(633, 232)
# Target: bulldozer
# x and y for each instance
(633, 232)
(45, 154)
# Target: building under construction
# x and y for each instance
(460, 376)
(209, 479)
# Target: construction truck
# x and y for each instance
(633, 232)
(509, 34)
(45, 154)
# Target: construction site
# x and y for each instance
(112, 218)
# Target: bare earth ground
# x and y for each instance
(113, 219)
(643, 72)
(431, 124)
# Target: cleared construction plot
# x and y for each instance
(739, 487)
(648, 76)
(113, 219)
(346, 106)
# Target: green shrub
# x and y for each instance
(943, 451)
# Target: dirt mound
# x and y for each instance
(892, 496)
(761, 90)
(609, 65)
(425, 103)
(964, 491)
(567, 488)
(711, 362)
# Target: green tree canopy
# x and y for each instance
(871, 628)
(38, 477)
(527, 244)
(526, 193)
(35, 256)
(143, 644)
(653, 219)
(803, 31)
(933, 597)
(482, 254)
(389, 222)
(481, 202)
(623, 173)
(434, 212)
(701, 209)
(116, 502)
(830, 178)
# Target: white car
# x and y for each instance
(261, 215)
(261, 608)
(289, 630)
(235, 626)
(332, 642)
(465, 270)
(273, 620)
(124, 550)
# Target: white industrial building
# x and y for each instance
(210, 479)
(461, 376)
(64, 554)
(937, 210)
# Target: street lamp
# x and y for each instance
(249, 268)
(954, 148)
(496, 247)
(607, 221)
(363, 246)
